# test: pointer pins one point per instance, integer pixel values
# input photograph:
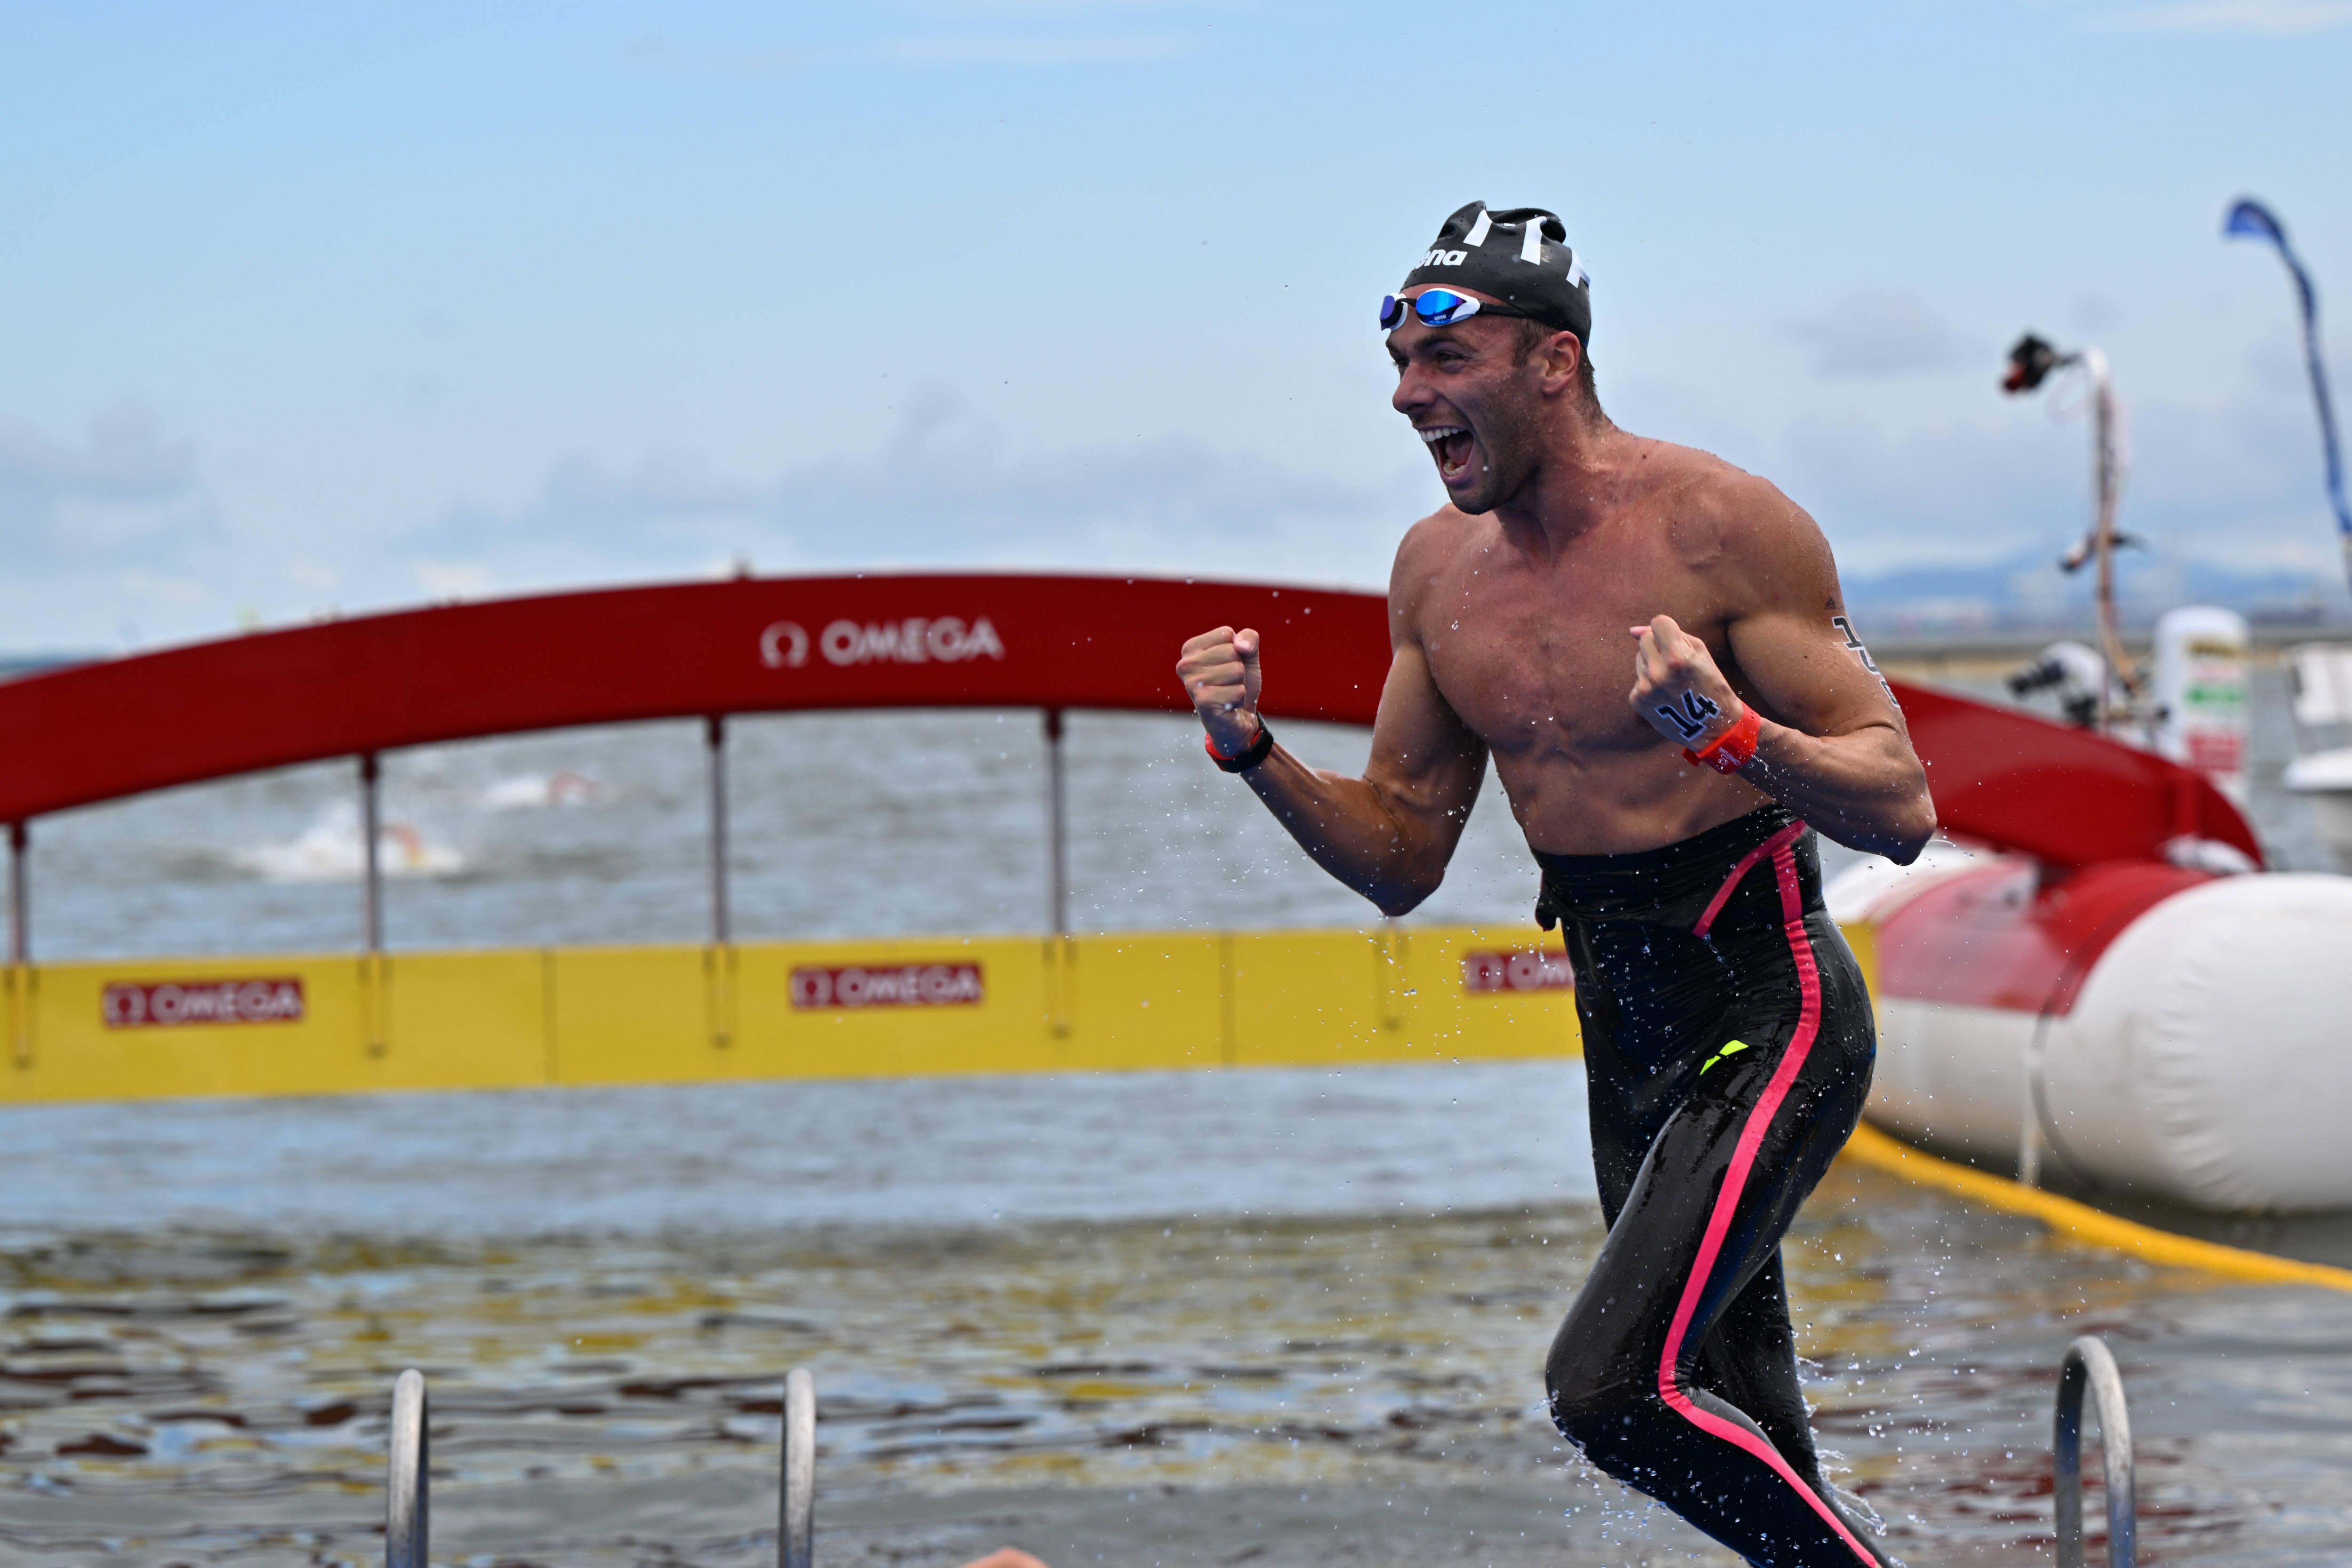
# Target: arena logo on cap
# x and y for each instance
(1445, 259)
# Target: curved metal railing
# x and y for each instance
(797, 1509)
(407, 1524)
(2089, 1368)
(407, 1519)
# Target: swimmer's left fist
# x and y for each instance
(1677, 689)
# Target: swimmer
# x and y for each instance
(1652, 647)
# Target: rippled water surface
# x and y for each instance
(1279, 1317)
(1268, 1318)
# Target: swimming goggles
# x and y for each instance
(1437, 307)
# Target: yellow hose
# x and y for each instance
(2087, 1226)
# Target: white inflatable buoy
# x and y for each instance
(2204, 1058)
(2148, 1027)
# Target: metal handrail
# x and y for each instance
(407, 1521)
(408, 1518)
(796, 1507)
(2089, 1367)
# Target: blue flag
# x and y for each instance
(2253, 220)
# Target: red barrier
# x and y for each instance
(2020, 783)
(372, 683)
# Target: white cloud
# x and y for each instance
(124, 458)
(311, 576)
(121, 543)
(663, 484)
(1876, 332)
(948, 487)
(125, 495)
(2276, 18)
(453, 579)
(1983, 505)
(156, 588)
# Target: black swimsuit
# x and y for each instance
(1728, 1049)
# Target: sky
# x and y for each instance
(321, 309)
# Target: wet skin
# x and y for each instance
(1579, 579)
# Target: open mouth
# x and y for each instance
(1450, 445)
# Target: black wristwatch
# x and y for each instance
(1249, 757)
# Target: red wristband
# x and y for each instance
(1734, 749)
(1245, 759)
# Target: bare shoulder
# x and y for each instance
(1428, 547)
(1739, 528)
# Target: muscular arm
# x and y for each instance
(1832, 747)
(1838, 755)
(1389, 833)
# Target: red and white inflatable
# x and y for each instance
(2143, 1019)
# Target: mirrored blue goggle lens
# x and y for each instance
(1442, 307)
(1435, 308)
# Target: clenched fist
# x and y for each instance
(1677, 689)
(1220, 673)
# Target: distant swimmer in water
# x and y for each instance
(1652, 645)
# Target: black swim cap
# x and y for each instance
(1520, 257)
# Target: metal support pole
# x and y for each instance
(20, 950)
(1057, 828)
(374, 1003)
(371, 831)
(20, 899)
(2108, 484)
(716, 738)
(796, 1508)
(407, 1521)
(2088, 1366)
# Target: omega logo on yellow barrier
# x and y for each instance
(899, 985)
(1487, 971)
(137, 1005)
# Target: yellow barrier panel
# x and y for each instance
(19, 986)
(462, 1020)
(630, 1015)
(133, 1028)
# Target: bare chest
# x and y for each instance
(1538, 656)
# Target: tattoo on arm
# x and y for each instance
(1853, 646)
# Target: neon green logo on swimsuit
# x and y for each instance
(1733, 1048)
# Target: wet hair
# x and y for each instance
(1531, 333)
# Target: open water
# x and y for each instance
(841, 824)
(1277, 1317)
